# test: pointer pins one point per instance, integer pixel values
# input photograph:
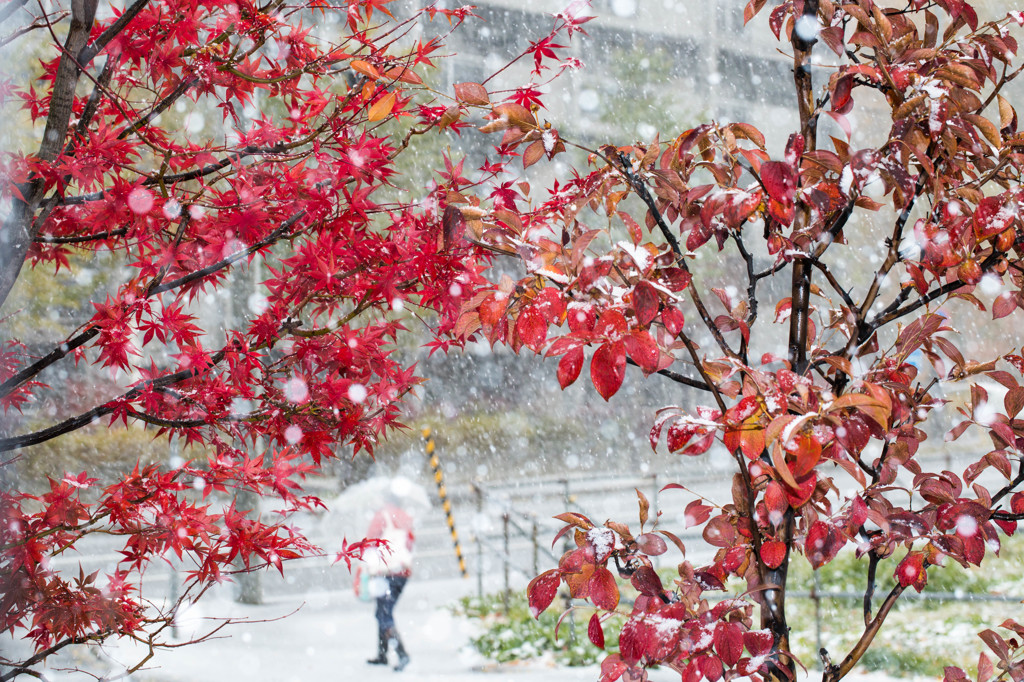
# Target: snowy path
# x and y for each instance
(329, 639)
(333, 634)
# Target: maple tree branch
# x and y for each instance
(21, 229)
(89, 332)
(161, 106)
(238, 255)
(42, 363)
(100, 411)
(83, 12)
(37, 24)
(88, 53)
(23, 668)
(92, 104)
(180, 177)
(208, 168)
(99, 236)
(171, 423)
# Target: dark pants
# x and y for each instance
(386, 602)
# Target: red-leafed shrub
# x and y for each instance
(823, 405)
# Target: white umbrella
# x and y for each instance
(350, 512)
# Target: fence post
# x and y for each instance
(505, 559)
(478, 489)
(536, 548)
(567, 546)
(816, 597)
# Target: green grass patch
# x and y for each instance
(517, 636)
(919, 638)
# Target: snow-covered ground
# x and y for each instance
(324, 636)
(327, 637)
(333, 634)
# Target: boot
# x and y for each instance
(382, 649)
(403, 657)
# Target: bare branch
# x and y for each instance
(676, 377)
(840, 671)
(869, 591)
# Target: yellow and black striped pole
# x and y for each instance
(442, 492)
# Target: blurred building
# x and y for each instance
(656, 65)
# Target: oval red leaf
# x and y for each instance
(645, 302)
(612, 668)
(595, 632)
(532, 328)
(651, 544)
(646, 581)
(581, 317)
(821, 544)
(603, 591)
(643, 350)
(729, 642)
(611, 324)
(472, 93)
(569, 367)
(541, 591)
(911, 572)
(673, 320)
(608, 368)
(719, 532)
(773, 553)
(1004, 304)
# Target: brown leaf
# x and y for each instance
(1013, 401)
(645, 506)
(382, 108)
(1007, 116)
(472, 94)
(533, 154)
(987, 128)
(404, 75)
(651, 545)
(365, 68)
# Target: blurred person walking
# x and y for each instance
(389, 571)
